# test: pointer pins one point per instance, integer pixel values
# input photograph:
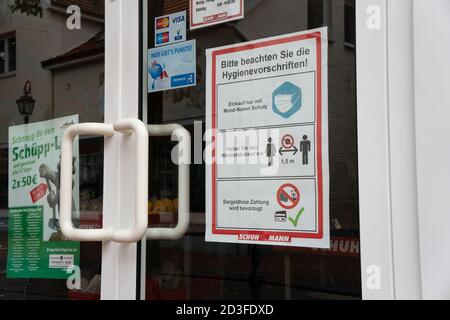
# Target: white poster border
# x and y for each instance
(193, 26)
(322, 238)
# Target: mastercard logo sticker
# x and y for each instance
(162, 23)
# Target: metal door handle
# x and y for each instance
(127, 126)
(184, 141)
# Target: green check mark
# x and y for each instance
(295, 221)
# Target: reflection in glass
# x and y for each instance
(12, 54)
(2, 56)
(67, 71)
(194, 269)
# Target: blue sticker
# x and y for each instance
(172, 66)
(182, 80)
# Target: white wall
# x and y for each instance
(432, 90)
(38, 39)
(80, 90)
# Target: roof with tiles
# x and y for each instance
(93, 47)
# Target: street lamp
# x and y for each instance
(26, 102)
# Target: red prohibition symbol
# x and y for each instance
(288, 196)
(287, 141)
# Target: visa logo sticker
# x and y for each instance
(178, 19)
(170, 28)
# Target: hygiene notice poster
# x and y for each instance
(205, 13)
(36, 246)
(267, 115)
(172, 66)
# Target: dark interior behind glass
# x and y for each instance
(194, 269)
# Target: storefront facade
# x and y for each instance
(379, 212)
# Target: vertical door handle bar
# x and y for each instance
(184, 159)
(135, 234)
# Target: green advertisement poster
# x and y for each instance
(36, 246)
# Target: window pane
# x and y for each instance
(350, 30)
(194, 269)
(74, 88)
(315, 13)
(2, 56)
(12, 54)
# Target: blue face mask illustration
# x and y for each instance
(287, 100)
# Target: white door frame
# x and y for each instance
(390, 255)
(121, 101)
(432, 67)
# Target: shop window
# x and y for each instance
(350, 22)
(192, 268)
(7, 53)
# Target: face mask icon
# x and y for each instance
(287, 100)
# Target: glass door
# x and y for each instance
(191, 268)
(96, 70)
(52, 75)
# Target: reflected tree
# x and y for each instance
(29, 7)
